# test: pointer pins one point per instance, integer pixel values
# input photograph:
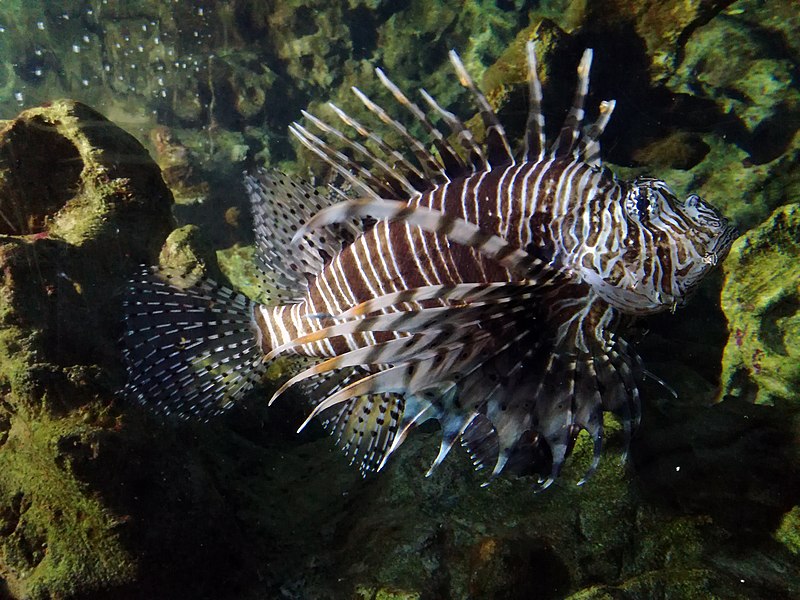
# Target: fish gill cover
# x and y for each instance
(131, 505)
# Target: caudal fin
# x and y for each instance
(192, 352)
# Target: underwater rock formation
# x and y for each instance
(761, 300)
(82, 203)
(663, 25)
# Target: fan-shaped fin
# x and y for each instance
(589, 410)
(365, 428)
(281, 206)
(480, 441)
(416, 412)
(189, 351)
(460, 293)
(425, 320)
(453, 420)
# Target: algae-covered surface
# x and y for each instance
(99, 498)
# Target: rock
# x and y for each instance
(747, 73)
(240, 84)
(179, 167)
(761, 300)
(187, 254)
(743, 61)
(82, 204)
(663, 25)
(788, 533)
(679, 150)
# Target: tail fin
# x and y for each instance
(192, 352)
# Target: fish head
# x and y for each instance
(668, 246)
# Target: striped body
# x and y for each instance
(467, 285)
(540, 205)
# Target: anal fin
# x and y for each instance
(365, 428)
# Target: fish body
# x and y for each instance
(466, 285)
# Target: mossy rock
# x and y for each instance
(788, 533)
(663, 25)
(761, 300)
(82, 204)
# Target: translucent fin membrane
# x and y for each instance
(191, 352)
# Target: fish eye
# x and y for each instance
(643, 203)
(632, 200)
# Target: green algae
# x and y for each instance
(58, 540)
(788, 533)
(761, 300)
(367, 593)
(187, 252)
(239, 266)
(59, 536)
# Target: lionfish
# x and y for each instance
(453, 281)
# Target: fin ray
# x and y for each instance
(191, 352)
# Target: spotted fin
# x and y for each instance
(281, 207)
(365, 428)
(190, 351)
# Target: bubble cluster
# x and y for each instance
(154, 59)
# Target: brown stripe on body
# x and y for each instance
(395, 256)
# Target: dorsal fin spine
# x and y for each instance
(497, 147)
(567, 138)
(321, 149)
(463, 135)
(590, 144)
(426, 159)
(452, 165)
(398, 156)
(363, 151)
(535, 141)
